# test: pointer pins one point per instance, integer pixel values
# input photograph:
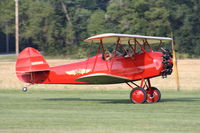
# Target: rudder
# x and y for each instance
(30, 60)
(31, 67)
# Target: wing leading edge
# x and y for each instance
(124, 38)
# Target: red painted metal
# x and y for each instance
(153, 95)
(31, 60)
(138, 95)
(142, 85)
(31, 64)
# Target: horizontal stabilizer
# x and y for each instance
(102, 78)
(42, 70)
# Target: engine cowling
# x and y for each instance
(167, 63)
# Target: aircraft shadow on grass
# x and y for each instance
(113, 101)
(123, 101)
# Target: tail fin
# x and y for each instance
(30, 60)
(31, 66)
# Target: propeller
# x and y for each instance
(175, 67)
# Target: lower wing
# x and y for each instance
(102, 78)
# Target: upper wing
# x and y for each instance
(124, 38)
(102, 78)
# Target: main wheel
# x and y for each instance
(138, 95)
(153, 95)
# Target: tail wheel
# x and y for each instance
(24, 89)
(153, 95)
(138, 95)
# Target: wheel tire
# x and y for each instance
(24, 89)
(138, 95)
(156, 95)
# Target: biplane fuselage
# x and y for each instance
(124, 65)
(143, 65)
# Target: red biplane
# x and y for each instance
(132, 59)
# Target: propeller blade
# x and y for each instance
(175, 67)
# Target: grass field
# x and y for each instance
(94, 109)
(81, 111)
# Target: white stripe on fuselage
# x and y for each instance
(37, 63)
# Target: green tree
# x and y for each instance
(139, 17)
(184, 18)
(7, 16)
(96, 24)
(59, 27)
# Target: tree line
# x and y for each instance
(58, 27)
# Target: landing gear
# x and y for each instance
(138, 95)
(153, 95)
(24, 89)
(144, 93)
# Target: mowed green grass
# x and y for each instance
(97, 111)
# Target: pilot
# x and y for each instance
(127, 54)
(107, 55)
